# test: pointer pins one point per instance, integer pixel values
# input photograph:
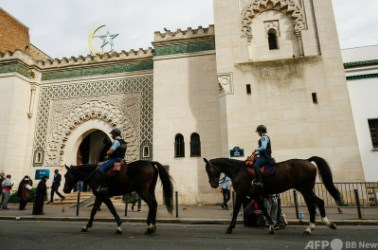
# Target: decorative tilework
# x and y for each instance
(361, 77)
(14, 68)
(358, 64)
(101, 70)
(183, 48)
(142, 84)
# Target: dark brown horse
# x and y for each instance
(297, 174)
(138, 176)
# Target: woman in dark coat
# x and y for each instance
(24, 191)
(40, 195)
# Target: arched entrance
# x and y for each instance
(93, 148)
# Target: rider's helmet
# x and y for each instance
(115, 132)
(262, 129)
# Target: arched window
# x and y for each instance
(195, 145)
(146, 152)
(272, 39)
(179, 146)
(38, 157)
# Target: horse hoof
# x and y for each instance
(118, 232)
(229, 231)
(150, 231)
(84, 230)
(307, 232)
(332, 226)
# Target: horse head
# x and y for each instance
(213, 172)
(70, 180)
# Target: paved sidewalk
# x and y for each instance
(187, 214)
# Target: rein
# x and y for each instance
(90, 176)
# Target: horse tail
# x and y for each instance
(326, 176)
(166, 181)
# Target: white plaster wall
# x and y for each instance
(364, 95)
(14, 125)
(186, 101)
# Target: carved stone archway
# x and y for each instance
(81, 114)
(292, 8)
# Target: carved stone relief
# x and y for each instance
(293, 8)
(225, 84)
(122, 111)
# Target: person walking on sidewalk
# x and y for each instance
(136, 199)
(225, 183)
(24, 191)
(1, 186)
(55, 186)
(40, 195)
(7, 186)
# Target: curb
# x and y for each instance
(188, 221)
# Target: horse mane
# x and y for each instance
(228, 162)
(87, 167)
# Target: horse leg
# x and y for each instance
(320, 205)
(112, 209)
(310, 199)
(95, 207)
(261, 203)
(152, 208)
(235, 213)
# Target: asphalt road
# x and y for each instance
(32, 235)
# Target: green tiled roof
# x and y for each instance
(101, 70)
(361, 77)
(183, 48)
(358, 64)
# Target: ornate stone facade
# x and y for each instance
(121, 111)
(293, 8)
(125, 103)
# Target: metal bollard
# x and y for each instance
(296, 203)
(126, 205)
(78, 203)
(358, 203)
(177, 209)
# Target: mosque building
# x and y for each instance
(196, 93)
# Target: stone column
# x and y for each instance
(298, 34)
(33, 89)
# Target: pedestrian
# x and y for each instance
(135, 200)
(55, 186)
(40, 195)
(7, 186)
(271, 206)
(225, 183)
(24, 191)
(1, 186)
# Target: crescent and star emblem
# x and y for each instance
(107, 41)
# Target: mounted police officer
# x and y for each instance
(116, 153)
(264, 153)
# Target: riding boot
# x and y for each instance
(102, 187)
(258, 181)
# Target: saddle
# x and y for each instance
(117, 167)
(267, 170)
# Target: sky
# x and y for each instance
(61, 27)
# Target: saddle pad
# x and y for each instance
(265, 170)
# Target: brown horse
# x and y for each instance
(297, 174)
(138, 176)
